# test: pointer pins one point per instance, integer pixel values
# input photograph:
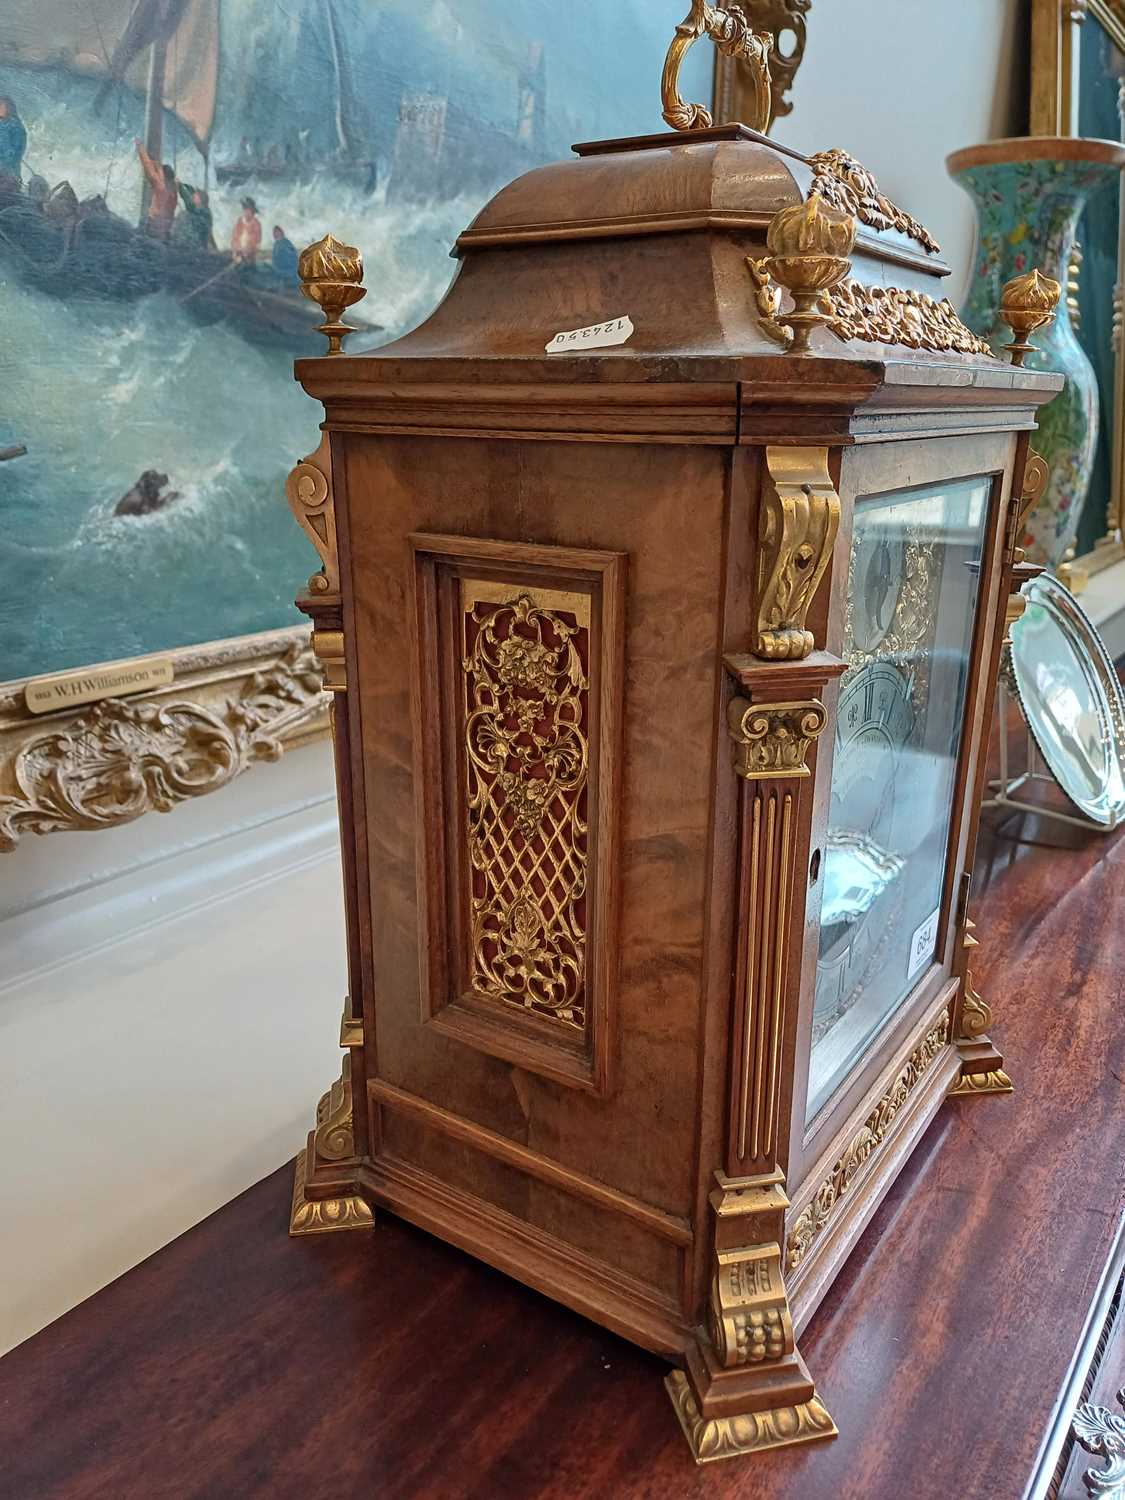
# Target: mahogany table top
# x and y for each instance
(238, 1362)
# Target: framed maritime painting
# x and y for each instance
(161, 163)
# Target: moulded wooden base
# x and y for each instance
(982, 1070)
(748, 1432)
(320, 1215)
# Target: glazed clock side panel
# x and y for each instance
(628, 539)
(916, 607)
(913, 576)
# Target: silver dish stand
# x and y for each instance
(1006, 787)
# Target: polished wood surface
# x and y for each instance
(238, 1362)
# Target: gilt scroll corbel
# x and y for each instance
(799, 517)
(309, 492)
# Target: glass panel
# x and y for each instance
(908, 630)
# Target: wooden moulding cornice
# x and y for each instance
(523, 1159)
(589, 1286)
(708, 400)
(230, 704)
(714, 220)
(766, 681)
(592, 413)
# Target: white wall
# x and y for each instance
(902, 83)
(170, 998)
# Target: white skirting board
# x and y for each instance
(165, 1032)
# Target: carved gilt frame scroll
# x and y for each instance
(1055, 95)
(229, 705)
(211, 712)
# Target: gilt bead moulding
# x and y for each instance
(601, 550)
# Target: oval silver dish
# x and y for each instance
(1071, 699)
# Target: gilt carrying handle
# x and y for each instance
(735, 38)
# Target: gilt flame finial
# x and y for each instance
(1027, 302)
(332, 275)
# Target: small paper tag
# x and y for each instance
(597, 336)
(923, 944)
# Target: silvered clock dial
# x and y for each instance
(874, 722)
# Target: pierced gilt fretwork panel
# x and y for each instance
(517, 738)
(526, 684)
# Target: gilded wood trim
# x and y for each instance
(799, 517)
(309, 492)
(533, 1163)
(231, 704)
(747, 1432)
(824, 1205)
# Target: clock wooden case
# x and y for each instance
(662, 668)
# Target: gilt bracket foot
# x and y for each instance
(319, 1215)
(323, 1196)
(748, 1432)
(992, 1081)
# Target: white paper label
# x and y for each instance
(923, 944)
(597, 336)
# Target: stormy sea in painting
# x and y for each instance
(132, 345)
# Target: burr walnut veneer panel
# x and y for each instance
(647, 948)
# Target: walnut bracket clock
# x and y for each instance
(665, 577)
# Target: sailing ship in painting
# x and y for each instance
(168, 50)
(161, 161)
(67, 247)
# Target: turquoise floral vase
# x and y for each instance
(1029, 194)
